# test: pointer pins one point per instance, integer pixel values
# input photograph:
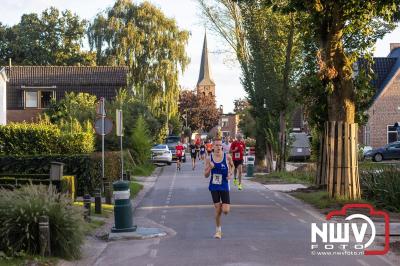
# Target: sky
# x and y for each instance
(225, 72)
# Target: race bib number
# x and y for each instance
(217, 179)
(237, 155)
(193, 151)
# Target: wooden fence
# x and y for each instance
(338, 161)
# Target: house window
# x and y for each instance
(367, 135)
(38, 99)
(45, 98)
(224, 122)
(31, 99)
(391, 134)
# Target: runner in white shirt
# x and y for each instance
(226, 146)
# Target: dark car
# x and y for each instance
(388, 152)
(300, 148)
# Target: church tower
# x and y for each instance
(205, 84)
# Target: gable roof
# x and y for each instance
(67, 75)
(385, 69)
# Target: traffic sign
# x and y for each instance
(119, 129)
(108, 126)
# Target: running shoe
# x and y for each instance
(240, 187)
(218, 234)
(235, 181)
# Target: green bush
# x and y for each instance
(143, 170)
(382, 186)
(19, 213)
(141, 141)
(43, 138)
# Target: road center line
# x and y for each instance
(153, 253)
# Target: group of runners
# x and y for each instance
(223, 159)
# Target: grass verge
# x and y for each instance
(143, 170)
(320, 200)
(295, 177)
(28, 260)
(135, 188)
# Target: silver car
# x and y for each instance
(161, 154)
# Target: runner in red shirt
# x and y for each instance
(179, 154)
(237, 148)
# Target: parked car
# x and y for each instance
(300, 148)
(388, 152)
(171, 142)
(161, 154)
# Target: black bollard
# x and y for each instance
(107, 192)
(97, 201)
(44, 236)
(86, 205)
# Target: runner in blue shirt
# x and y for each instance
(220, 165)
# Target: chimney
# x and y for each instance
(394, 46)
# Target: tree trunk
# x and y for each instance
(269, 157)
(341, 166)
(260, 150)
(281, 161)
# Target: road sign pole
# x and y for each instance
(102, 150)
(120, 133)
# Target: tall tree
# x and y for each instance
(240, 105)
(150, 44)
(200, 111)
(53, 38)
(343, 31)
(266, 51)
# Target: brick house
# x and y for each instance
(385, 108)
(29, 89)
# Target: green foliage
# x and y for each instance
(141, 141)
(247, 123)
(162, 134)
(250, 142)
(20, 210)
(43, 138)
(141, 37)
(132, 108)
(176, 125)
(74, 106)
(382, 186)
(53, 38)
(143, 170)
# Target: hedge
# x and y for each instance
(43, 138)
(86, 167)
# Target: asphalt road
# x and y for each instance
(263, 228)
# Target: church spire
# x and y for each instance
(205, 73)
